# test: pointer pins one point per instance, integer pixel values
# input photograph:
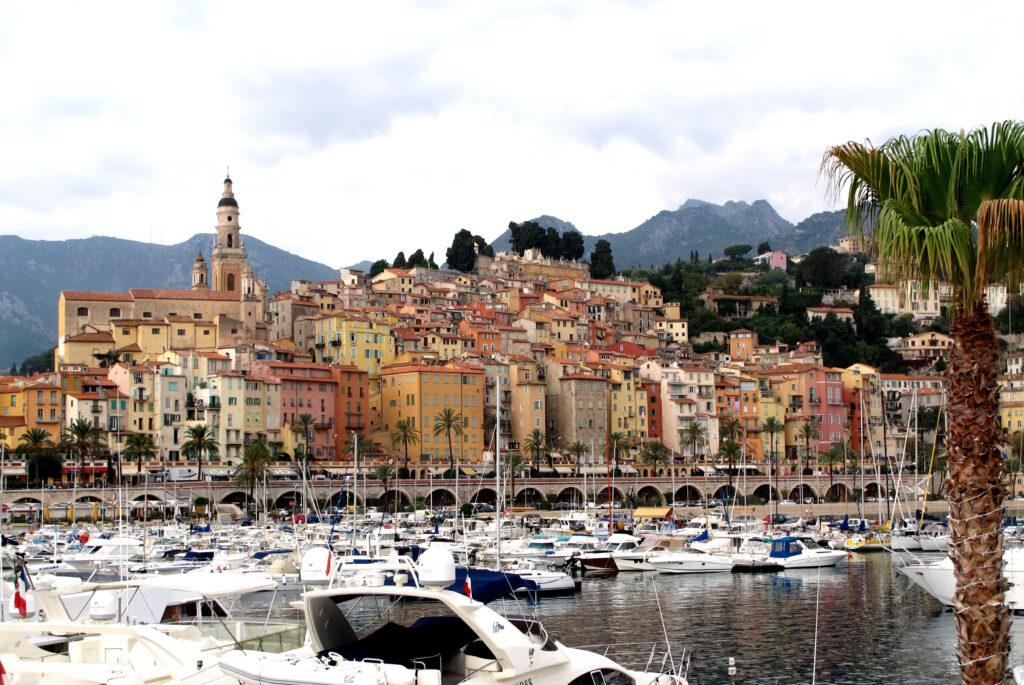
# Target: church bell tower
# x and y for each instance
(228, 256)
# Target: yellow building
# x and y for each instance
(1011, 403)
(676, 330)
(527, 399)
(350, 338)
(12, 413)
(627, 402)
(420, 393)
(87, 347)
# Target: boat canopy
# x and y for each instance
(652, 512)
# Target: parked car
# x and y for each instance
(483, 508)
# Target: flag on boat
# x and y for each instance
(702, 537)
(467, 587)
(21, 587)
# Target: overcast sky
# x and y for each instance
(356, 129)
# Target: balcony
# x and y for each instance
(96, 409)
(319, 345)
(336, 342)
(325, 426)
(796, 402)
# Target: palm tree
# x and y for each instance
(729, 452)
(514, 462)
(536, 442)
(448, 422)
(82, 438)
(576, 451)
(405, 432)
(694, 434)
(199, 442)
(772, 426)
(618, 444)
(304, 425)
(139, 446)
(950, 207)
(34, 442)
(808, 432)
(385, 473)
(654, 453)
(365, 444)
(253, 469)
(832, 457)
(731, 428)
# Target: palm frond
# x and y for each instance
(1001, 241)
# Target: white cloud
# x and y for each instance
(356, 130)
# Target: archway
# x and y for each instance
(803, 492)
(872, 490)
(688, 493)
(441, 497)
(485, 496)
(288, 500)
(766, 493)
(602, 495)
(726, 493)
(231, 282)
(651, 495)
(238, 498)
(345, 498)
(389, 499)
(528, 497)
(838, 492)
(571, 495)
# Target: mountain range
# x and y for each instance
(34, 272)
(707, 228)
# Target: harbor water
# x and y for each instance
(860, 622)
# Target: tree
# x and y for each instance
(199, 443)
(446, 423)
(107, 359)
(461, 255)
(618, 445)
(730, 428)
(482, 248)
(729, 451)
(764, 247)
(602, 264)
(572, 245)
(83, 439)
(552, 247)
(378, 267)
(416, 259)
(385, 473)
(360, 442)
(514, 462)
(44, 466)
(400, 262)
(253, 468)
(403, 433)
(430, 261)
(772, 427)
(34, 442)
(536, 442)
(737, 251)
(304, 424)
(807, 431)
(140, 447)
(823, 267)
(654, 453)
(950, 207)
(693, 434)
(576, 451)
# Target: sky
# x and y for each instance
(354, 130)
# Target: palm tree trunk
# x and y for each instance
(977, 487)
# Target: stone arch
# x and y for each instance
(688, 493)
(344, 498)
(571, 494)
(528, 497)
(651, 495)
(726, 493)
(84, 499)
(802, 492)
(35, 500)
(602, 495)
(288, 499)
(391, 496)
(838, 492)
(485, 496)
(148, 497)
(239, 498)
(441, 497)
(766, 492)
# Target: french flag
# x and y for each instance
(467, 587)
(21, 587)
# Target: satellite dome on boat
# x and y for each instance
(436, 567)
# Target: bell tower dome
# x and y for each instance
(200, 274)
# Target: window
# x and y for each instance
(154, 331)
(83, 311)
(181, 331)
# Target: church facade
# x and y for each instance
(227, 296)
